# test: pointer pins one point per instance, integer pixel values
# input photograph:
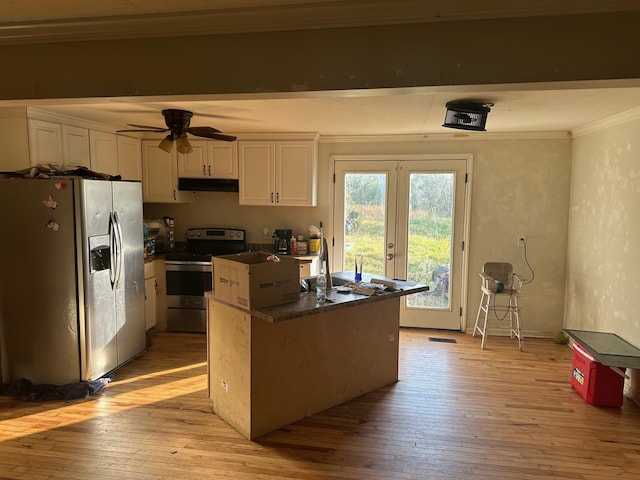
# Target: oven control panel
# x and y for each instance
(213, 234)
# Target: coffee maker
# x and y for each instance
(282, 242)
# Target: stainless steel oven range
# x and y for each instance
(189, 275)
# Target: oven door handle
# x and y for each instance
(177, 266)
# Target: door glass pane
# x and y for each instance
(365, 220)
(430, 246)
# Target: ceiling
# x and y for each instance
(415, 111)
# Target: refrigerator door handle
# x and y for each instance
(120, 257)
(112, 250)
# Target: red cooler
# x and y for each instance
(598, 384)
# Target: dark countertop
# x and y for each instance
(307, 304)
(155, 256)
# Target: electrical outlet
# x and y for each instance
(520, 241)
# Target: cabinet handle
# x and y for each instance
(271, 197)
(174, 195)
(209, 170)
(204, 170)
(277, 197)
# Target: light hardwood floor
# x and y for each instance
(456, 413)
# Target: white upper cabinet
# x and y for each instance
(160, 175)
(256, 171)
(209, 159)
(223, 159)
(65, 146)
(279, 172)
(296, 173)
(45, 143)
(115, 155)
(104, 152)
(75, 147)
(194, 164)
(43, 139)
(129, 158)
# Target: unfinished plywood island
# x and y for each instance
(273, 366)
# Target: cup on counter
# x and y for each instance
(314, 246)
(358, 267)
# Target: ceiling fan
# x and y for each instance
(178, 126)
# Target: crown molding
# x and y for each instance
(613, 121)
(434, 137)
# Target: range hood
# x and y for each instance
(208, 184)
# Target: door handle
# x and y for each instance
(390, 245)
(120, 248)
(389, 256)
(112, 250)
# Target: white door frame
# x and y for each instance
(468, 157)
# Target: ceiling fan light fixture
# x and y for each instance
(166, 144)
(467, 115)
(183, 144)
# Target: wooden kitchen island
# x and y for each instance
(270, 367)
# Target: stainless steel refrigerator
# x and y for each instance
(71, 278)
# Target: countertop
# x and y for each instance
(307, 304)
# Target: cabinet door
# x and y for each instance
(129, 158)
(295, 173)
(160, 175)
(104, 152)
(75, 147)
(45, 143)
(151, 292)
(194, 164)
(223, 159)
(256, 166)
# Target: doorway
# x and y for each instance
(407, 216)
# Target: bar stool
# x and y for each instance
(499, 281)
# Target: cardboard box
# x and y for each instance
(597, 383)
(248, 281)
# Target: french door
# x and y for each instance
(407, 218)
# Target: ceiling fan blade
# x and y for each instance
(202, 131)
(223, 137)
(210, 132)
(160, 129)
(144, 130)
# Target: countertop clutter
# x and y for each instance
(337, 298)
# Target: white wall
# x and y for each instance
(603, 274)
(519, 186)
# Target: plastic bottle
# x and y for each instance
(294, 245)
(321, 287)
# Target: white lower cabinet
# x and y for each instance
(151, 295)
(278, 172)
